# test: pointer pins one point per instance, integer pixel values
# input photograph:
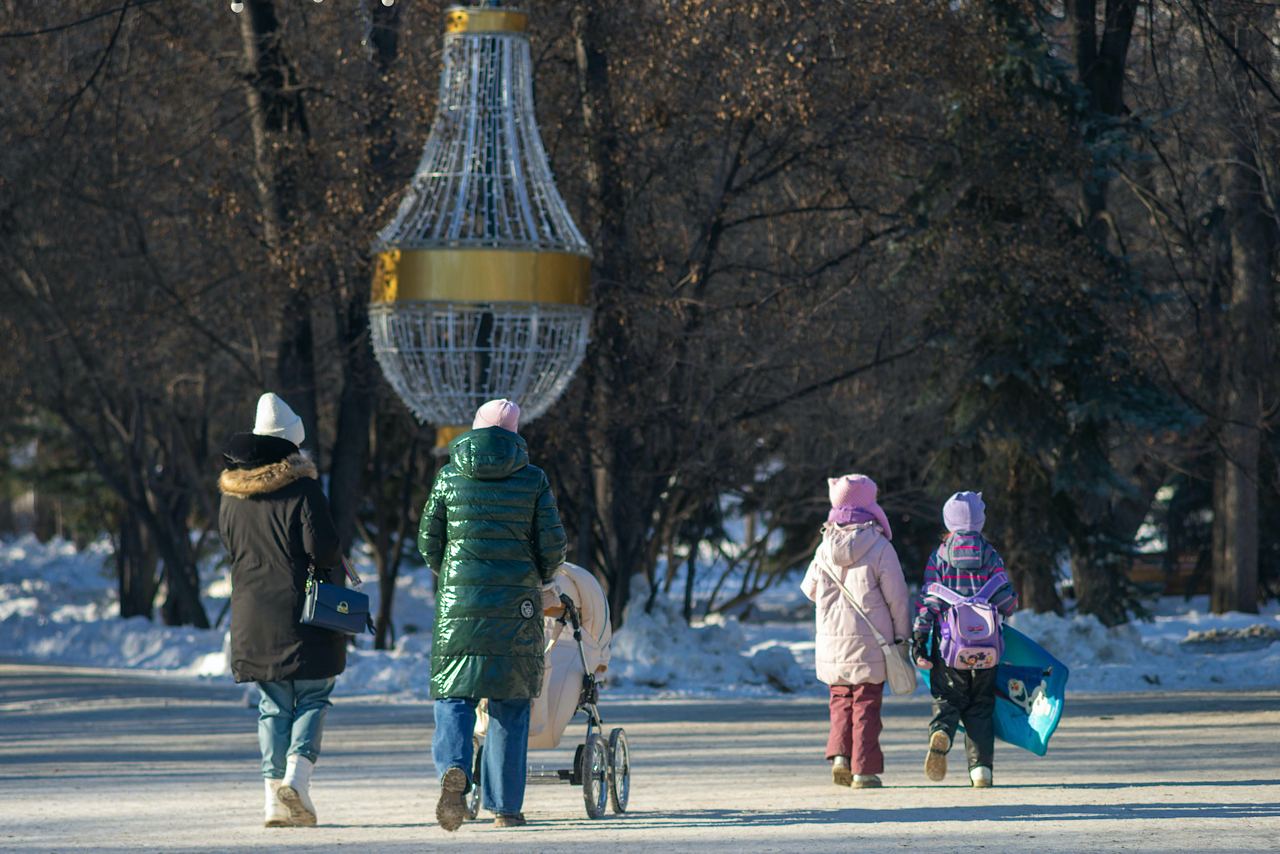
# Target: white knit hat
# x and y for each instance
(275, 418)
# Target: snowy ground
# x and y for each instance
(111, 761)
(57, 605)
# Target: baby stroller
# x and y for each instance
(601, 766)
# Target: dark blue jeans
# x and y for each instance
(290, 720)
(506, 748)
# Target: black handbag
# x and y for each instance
(335, 607)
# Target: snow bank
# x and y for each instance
(659, 650)
(59, 605)
(1187, 649)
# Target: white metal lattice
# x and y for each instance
(483, 183)
(484, 180)
(445, 359)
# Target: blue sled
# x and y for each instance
(1031, 687)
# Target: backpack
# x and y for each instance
(969, 635)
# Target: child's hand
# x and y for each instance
(924, 664)
(920, 649)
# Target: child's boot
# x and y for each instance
(935, 761)
(866, 781)
(841, 775)
(980, 777)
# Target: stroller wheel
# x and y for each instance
(595, 777)
(473, 796)
(619, 770)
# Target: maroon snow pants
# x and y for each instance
(855, 726)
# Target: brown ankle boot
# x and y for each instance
(513, 820)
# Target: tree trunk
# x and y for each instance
(384, 632)
(1100, 65)
(355, 413)
(396, 525)
(276, 116)
(1096, 586)
(690, 571)
(182, 605)
(359, 371)
(135, 561)
(1247, 352)
(622, 522)
(1029, 557)
(296, 366)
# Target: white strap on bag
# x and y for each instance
(884, 644)
(901, 675)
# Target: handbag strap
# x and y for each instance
(884, 644)
(352, 575)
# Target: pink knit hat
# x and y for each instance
(853, 499)
(498, 413)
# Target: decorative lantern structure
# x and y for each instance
(482, 277)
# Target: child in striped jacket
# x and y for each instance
(965, 697)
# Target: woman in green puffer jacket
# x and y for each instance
(492, 534)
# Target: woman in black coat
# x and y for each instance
(275, 523)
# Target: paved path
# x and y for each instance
(109, 762)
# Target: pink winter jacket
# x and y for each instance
(864, 560)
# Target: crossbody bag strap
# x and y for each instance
(854, 602)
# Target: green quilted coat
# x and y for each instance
(492, 534)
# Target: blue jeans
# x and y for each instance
(506, 748)
(290, 721)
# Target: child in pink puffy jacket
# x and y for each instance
(855, 553)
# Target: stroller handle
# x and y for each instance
(589, 687)
(571, 611)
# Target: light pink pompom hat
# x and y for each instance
(498, 413)
(853, 499)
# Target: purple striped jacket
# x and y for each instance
(937, 570)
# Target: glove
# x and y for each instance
(920, 646)
(551, 604)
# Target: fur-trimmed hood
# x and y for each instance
(244, 483)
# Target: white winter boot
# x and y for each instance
(277, 813)
(980, 777)
(295, 791)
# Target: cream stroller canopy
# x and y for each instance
(554, 707)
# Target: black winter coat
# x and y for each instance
(274, 522)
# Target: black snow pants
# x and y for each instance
(965, 697)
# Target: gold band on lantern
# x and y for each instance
(447, 433)
(469, 19)
(481, 275)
